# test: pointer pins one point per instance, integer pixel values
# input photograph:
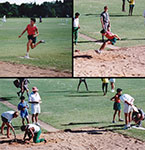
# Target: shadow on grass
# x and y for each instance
(83, 56)
(7, 98)
(59, 91)
(99, 41)
(79, 123)
(85, 131)
(126, 39)
(19, 141)
(112, 15)
(113, 127)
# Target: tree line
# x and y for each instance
(46, 9)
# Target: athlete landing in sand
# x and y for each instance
(32, 31)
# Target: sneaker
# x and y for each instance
(27, 57)
(42, 41)
(121, 120)
(125, 128)
(98, 51)
(112, 90)
(113, 121)
(37, 124)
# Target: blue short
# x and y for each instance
(24, 114)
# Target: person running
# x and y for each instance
(35, 101)
(112, 83)
(23, 84)
(76, 27)
(105, 82)
(117, 105)
(6, 120)
(84, 81)
(105, 21)
(32, 31)
(128, 103)
(23, 108)
(33, 131)
(131, 6)
(112, 38)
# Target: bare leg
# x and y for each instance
(104, 45)
(129, 117)
(27, 120)
(36, 117)
(8, 131)
(23, 121)
(2, 128)
(79, 85)
(28, 45)
(114, 115)
(86, 85)
(33, 116)
(126, 118)
(34, 45)
(119, 112)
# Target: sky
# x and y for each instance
(18, 2)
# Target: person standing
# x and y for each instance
(76, 27)
(105, 20)
(105, 82)
(35, 101)
(131, 6)
(112, 83)
(84, 81)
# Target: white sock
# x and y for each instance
(27, 54)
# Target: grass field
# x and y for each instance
(130, 29)
(62, 105)
(55, 53)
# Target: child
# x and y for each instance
(76, 27)
(23, 107)
(33, 131)
(6, 120)
(112, 82)
(111, 40)
(131, 6)
(84, 81)
(105, 82)
(117, 105)
(137, 116)
(128, 103)
(32, 31)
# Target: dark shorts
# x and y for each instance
(117, 106)
(113, 41)
(131, 6)
(5, 120)
(30, 37)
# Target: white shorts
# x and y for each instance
(35, 108)
(127, 108)
(112, 80)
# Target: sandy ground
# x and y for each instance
(81, 139)
(19, 70)
(123, 62)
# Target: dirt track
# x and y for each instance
(81, 139)
(19, 70)
(123, 62)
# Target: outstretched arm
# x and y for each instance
(116, 36)
(22, 32)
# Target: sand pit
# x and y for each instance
(19, 70)
(123, 62)
(80, 139)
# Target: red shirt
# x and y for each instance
(31, 29)
(116, 98)
(109, 35)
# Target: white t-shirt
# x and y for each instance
(34, 97)
(126, 97)
(36, 128)
(8, 115)
(76, 22)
